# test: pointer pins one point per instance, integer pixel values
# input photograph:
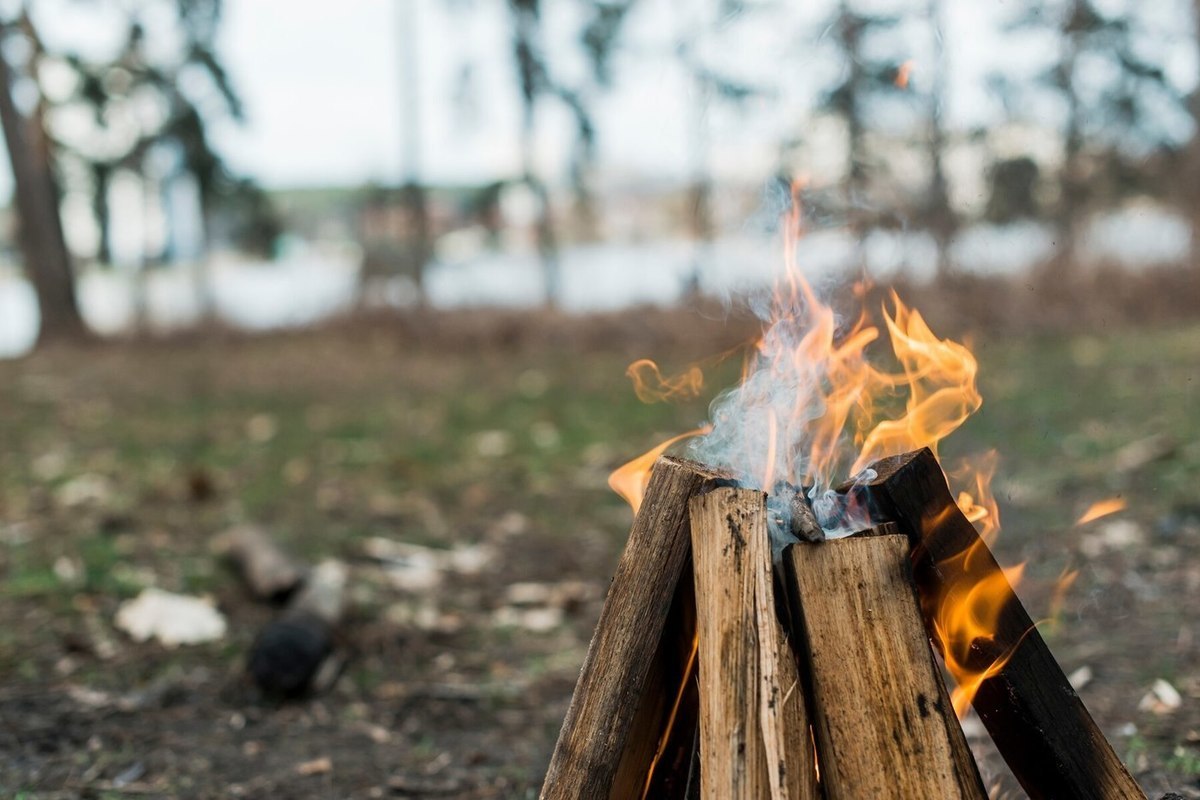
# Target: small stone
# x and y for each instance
(1080, 677)
(1163, 698)
(318, 766)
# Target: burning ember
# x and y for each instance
(813, 407)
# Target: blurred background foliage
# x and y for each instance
(932, 140)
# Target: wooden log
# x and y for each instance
(290, 651)
(882, 718)
(600, 752)
(729, 534)
(269, 573)
(754, 732)
(1039, 724)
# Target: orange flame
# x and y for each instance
(1102, 509)
(630, 479)
(965, 622)
(1063, 585)
(903, 74)
(811, 403)
(652, 387)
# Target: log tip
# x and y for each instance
(881, 471)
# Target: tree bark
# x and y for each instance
(43, 246)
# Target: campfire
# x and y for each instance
(776, 629)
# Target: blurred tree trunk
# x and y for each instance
(532, 78)
(1072, 182)
(850, 30)
(418, 240)
(43, 246)
(941, 216)
(1192, 157)
(102, 176)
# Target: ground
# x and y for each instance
(494, 435)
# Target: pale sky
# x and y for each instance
(321, 83)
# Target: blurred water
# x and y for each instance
(311, 285)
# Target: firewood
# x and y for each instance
(1039, 724)
(290, 650)
(754, 733)
(269, 573)
(882, 718)
(638, 652)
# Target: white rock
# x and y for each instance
(537, 620)
(1080, 677)
(528, 594)
(1163, 698)
(1119, 534)
(88, 488)
(173, 619)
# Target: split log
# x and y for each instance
(633, 663)
(882, 718)
(290, 650)
(1039, 724)
(754, 732)
(269, 573)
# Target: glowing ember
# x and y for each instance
(1102, 509)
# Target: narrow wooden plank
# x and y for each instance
(1039, 724)
(729, 537)
(745, 646)
(596, 731)
(882, 717)
(783, 711)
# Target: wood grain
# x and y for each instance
(626, 647)
(1039, 724)
(882, 718)
(729, 537)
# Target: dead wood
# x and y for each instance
(1039, 725)
(290, 650)
(638, 655)
(754, 732)
(269, 573)
(882, 718)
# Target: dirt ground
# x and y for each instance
(490, 443)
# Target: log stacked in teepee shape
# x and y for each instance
(691, 688)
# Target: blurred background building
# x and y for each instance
(273, 162)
